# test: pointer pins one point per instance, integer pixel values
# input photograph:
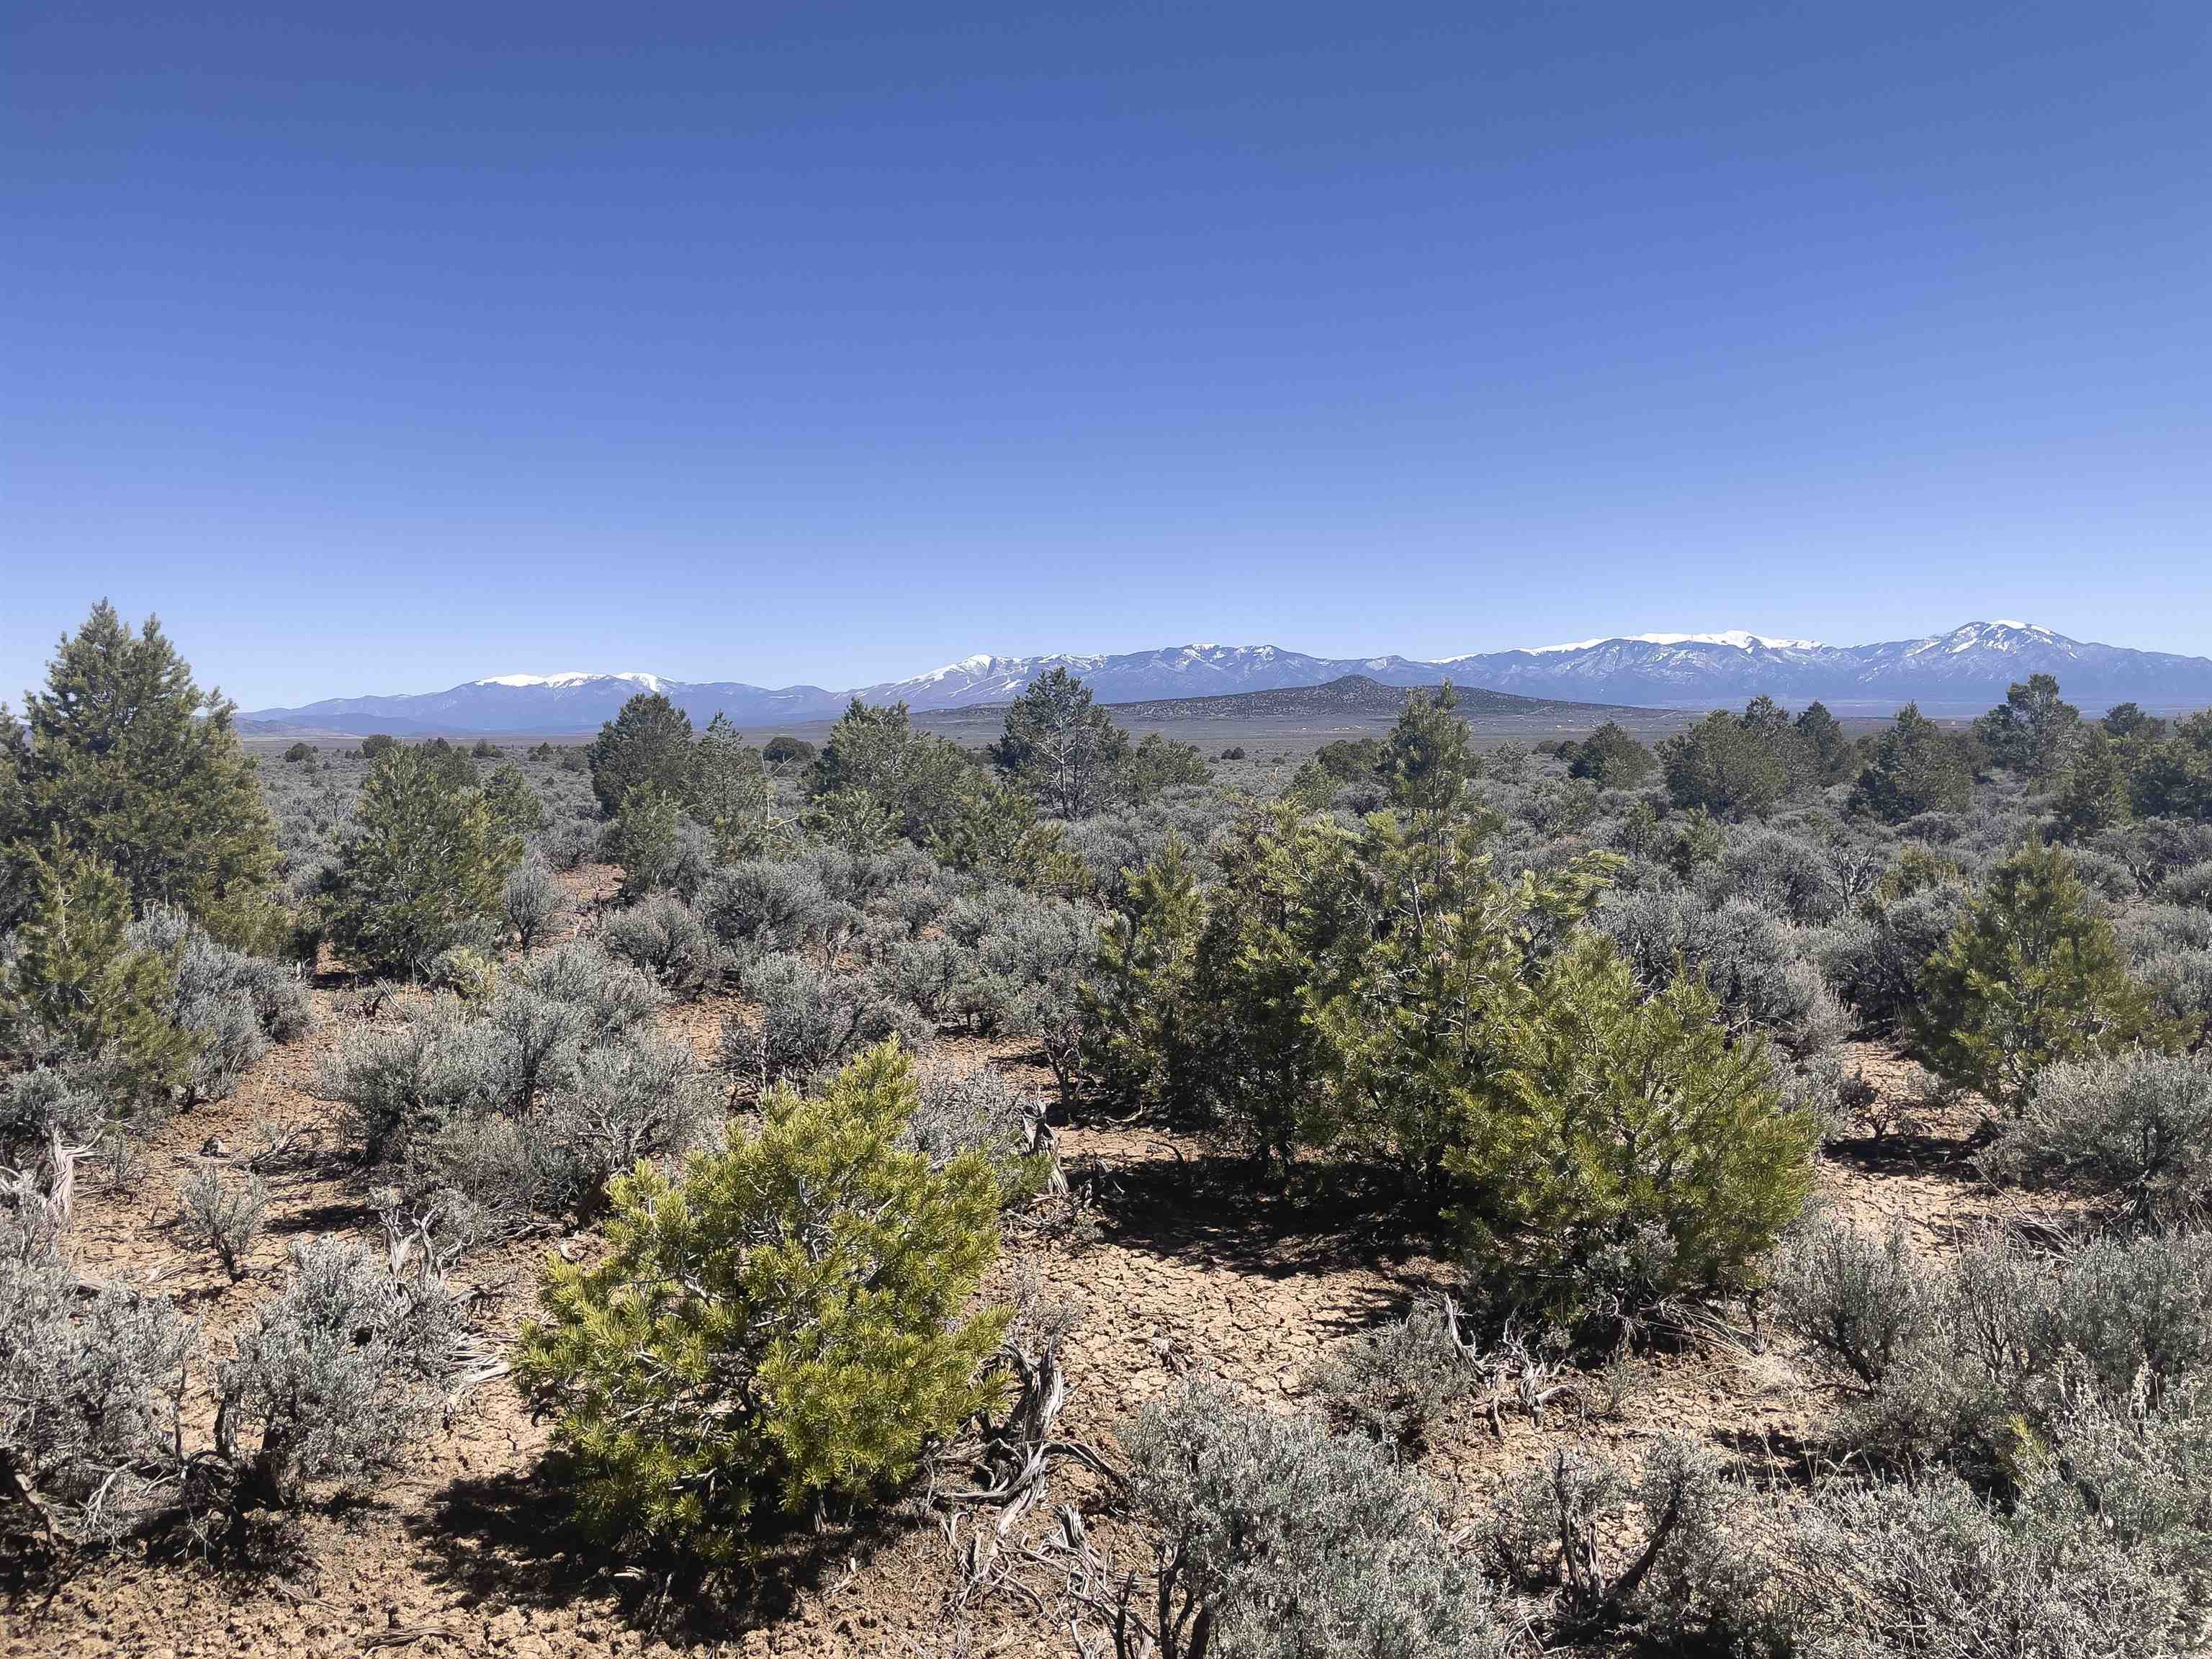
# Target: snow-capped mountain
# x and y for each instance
(1176, 670)
(1968, 667)
(1972, 665)
(549, 703)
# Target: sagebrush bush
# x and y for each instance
(1759, 969)
(809, 1019)
(1865, 1302)
(1606, 1545)
(88, 1392)
(757, 908)
(226, 1216)
(1781, 873)
(233, 1003)
(979, 1112)
(1984, 1363)
(787, 1321)
(2134, 1130)
(624, 1102)
(1283, 1540)
(531, 902)
(1874, 960)
(1927, 1570)
(335, 1377)
(1396, 1381)
(663, 936)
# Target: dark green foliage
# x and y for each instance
(2092, 790)
(645, 841)
(1632, 1155)
(1157, 763)
(2128, 721)
(128, 761)
(424, 870)
(2032, 731)
(785, 1321)
(647, 743)
(377, 744)
(298, 752)
(2172, 778)
(876, 764)
(787, 751)
(1724, 766)
(1611, 759)
(2030, 975)
(1425, 761)
(515, 806)
(1827, 751)
(1068, 753)
(1144, 1033)
(732, 797)
(1350, 760)
(994, 831)
(484, 748)
(449, 762)
(80, 995)
(1916, 767)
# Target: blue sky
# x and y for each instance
(380, 347)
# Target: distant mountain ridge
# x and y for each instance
(1970, 666)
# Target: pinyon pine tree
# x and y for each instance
(786, 1321)
(424, 871)
(2030, 975)
(79, 994)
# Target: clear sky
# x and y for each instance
(381, 347)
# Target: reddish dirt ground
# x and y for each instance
(461, 1551)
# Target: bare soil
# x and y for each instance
(463, 1550)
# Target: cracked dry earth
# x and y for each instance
(461, 1550)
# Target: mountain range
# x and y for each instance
(1968, 667)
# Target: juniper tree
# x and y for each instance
(2092, 790)
(1157, 763)
(2033, 731)
(1826, 749)
(1142, 1034)
(645, 840)
(647, 742)
(1725, 767)
(1612, 759)
(1916, 767)
(1632, 1151)
(875, 765)
(129, 761)
(733, 796)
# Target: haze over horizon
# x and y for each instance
(383, 352)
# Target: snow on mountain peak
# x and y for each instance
(650, 682)
(1741, 639)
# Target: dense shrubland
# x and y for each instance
(1573, 1017)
